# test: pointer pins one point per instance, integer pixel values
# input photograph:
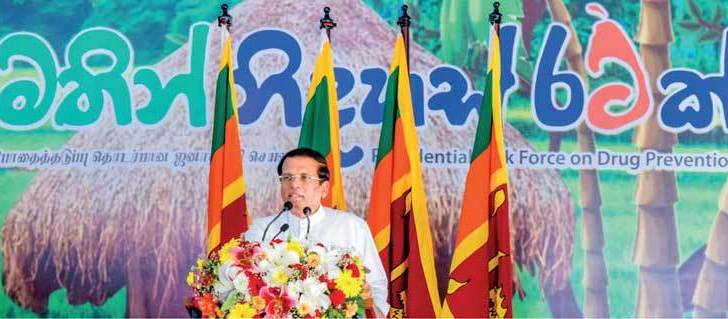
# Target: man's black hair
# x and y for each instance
(323, 170)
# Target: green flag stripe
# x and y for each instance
(485, 121)
(391, 113)
(316, 124)
(223, 109)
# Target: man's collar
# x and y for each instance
(315, 216)
(318, 215)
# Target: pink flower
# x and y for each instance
(278, 301)
(255, 283)
(240, 253)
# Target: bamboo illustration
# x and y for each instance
(595, 272)
(656, 247)
(711, 291)
(455, 30)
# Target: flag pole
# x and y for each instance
(495, 17)
(225, 18)
(404, 22)
(327, 23)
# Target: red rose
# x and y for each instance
(302, 269)
(329, 283)
(337, 297)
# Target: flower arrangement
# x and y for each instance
(281, 279)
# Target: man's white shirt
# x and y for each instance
(331, 228)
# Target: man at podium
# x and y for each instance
(304, 181)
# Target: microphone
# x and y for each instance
(286, 207)
(284, 227)
(306, 212)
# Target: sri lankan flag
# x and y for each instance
(320, 129)
(397, 214)
(227, 213)
(481, 282)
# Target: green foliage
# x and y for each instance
(698, 28)
(464, 25)
(464, 35)
(625, 13)
(143, 22)
(710, 29)
(389, 10)
(187, 12)
(44, 18)
(426, 24)
(161, 25)
(697, 25)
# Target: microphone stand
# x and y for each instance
(306, 212)
(284, 227)
(286, 207)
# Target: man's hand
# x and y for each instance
(366, 294)
(378, 313)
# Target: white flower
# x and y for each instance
(314, 294)
(284, 256)
(295, 288)
(222, 291)
(327, 262)
(277, 277)
(228, 272)
(330, 267)
(317, 249)
(333, 273)
(311, 295)
(264, 266)
(278, 256)
(240, 283)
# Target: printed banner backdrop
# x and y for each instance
(615, 135)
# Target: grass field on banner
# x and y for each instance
(695, 213)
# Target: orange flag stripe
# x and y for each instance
(215, 191)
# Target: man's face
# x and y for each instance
(301, 185)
